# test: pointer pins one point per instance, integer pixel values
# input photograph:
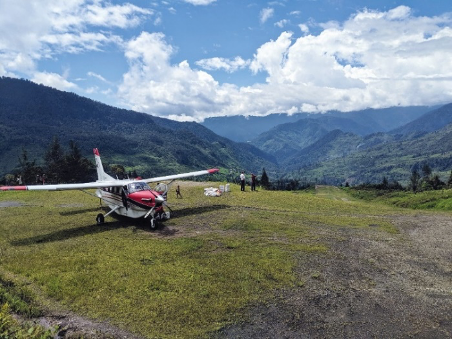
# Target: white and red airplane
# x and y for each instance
(128, 197)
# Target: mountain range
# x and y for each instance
(31, 115)
(355, 147)
(339, 156)
(246, 129)
(332, 148)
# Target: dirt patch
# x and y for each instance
(10, 204)
(370, 285)
(67, 325)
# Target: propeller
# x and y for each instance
(124, 198)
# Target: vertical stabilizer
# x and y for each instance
(101, 175)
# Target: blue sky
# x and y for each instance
(192, 59)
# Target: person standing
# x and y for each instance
(253, 182)
(242, 181)
(178, 194)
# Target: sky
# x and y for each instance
(191, 59)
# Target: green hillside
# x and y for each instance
(335, 144)
(31, 115)
(394, 159)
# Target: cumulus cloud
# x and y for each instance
(228, 65)
(154, 85)
(373, 59)
(45, 30)
(53, 80)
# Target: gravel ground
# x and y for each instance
(368, 286)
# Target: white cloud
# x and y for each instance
(229, 65)
(265, 14)
(48, 29)
(304, 28)
(200, 2)
(272, 55)
(154, 85)
(282, 23)
(373, 59)
(98, 76)
(53, 80)
(122, 16)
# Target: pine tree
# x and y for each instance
(426, 171)
(54, 159)
(414, 180)
(265, 182)
(28, 170)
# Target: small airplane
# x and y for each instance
(128, 197)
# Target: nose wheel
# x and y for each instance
(100, 219)
(153, 223)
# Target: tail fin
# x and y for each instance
(101, 174)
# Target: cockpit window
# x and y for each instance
(137, 186)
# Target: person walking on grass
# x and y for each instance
(178, 194)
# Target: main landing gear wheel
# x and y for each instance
(153, 223)
(100, 219)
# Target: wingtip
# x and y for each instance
(96, 152)
(212, 171)
(17, 187)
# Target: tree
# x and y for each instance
(265, 182)
(437, 183)
(449, 181)
(76, 167)
(414, 180)
(385, 183)
(118, 170)
(67, 168)
(54, 159)
(426, 171)
(27, 170)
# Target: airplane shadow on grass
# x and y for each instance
(184, 212)
(119, 222)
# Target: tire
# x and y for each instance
(153, 223)
(100, 219)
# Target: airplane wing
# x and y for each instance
(55, 187)
(105, 183)
(185, 175)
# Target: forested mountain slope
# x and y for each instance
(31, 115)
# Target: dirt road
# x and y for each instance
(367, 286)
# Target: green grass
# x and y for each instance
(10, 328)
(437, 200)
(222, 254)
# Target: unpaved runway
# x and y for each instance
(368, 286)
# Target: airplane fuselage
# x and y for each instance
(134, 200)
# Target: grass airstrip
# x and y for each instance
(191, 277)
